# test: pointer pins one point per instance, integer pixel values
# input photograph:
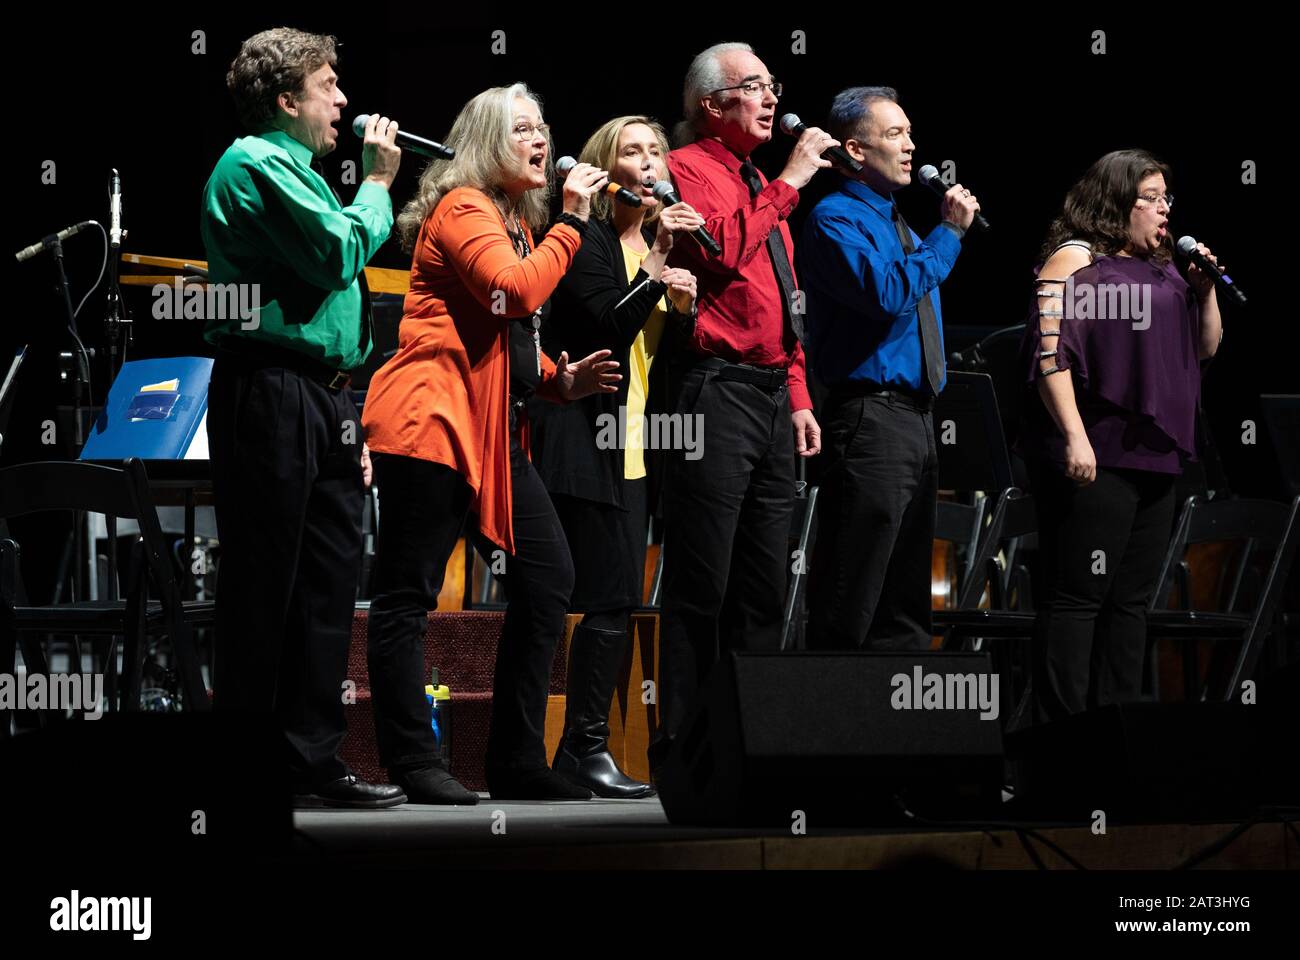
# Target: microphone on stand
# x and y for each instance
(408, 141)
(114, 210)
(621, 194)
(26, 253)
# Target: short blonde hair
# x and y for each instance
(481, 137)
(601, 150)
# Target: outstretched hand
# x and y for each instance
(593, 374)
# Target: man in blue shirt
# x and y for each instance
(875, 339)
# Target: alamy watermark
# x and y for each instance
(76, 913)
(945, 691)
(209, 301)
(1108, 301)
(78, 692)
(658, 431)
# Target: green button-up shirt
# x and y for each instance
(269, 219)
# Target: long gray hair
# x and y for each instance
(481, 137)
(703, 76)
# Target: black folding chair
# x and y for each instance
(120, 493)
(995, 572)
(1265, 532)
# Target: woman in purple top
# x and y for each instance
(1105, 441)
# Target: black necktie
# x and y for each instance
(780, 257)
(931, 353)
(367, 319)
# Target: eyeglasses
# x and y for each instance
(1167, 200)
(526, 131)
(754, 88)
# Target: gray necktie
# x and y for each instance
(931, 352)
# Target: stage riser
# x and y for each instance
(463, 645)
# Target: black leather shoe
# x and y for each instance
(539, 784)
(349, 791)
(433, 785)
(583, 756)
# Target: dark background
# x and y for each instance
(1020, 105)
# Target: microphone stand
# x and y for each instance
(80, 378)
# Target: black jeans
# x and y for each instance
(726, 535)
(420, 516)
(1100, 547)
(869, 585)
(289, 495)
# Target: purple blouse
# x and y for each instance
(1130, 335)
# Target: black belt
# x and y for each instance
(256, 354)
(770, 379)
(850, 389)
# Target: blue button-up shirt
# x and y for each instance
(861, 290)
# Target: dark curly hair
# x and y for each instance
(271, 63)
(1097, 207)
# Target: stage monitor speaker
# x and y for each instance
(844, 738)
(1157, 762)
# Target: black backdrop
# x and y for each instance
(1021, 106)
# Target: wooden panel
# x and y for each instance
(379, 279)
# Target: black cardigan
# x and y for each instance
(587, 316)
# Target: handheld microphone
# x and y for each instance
(795, 127)
(666, 195)
(1187, 247)
(929, 175)
(26, 253)
(408, 141)
(115, 210)
(621, 194)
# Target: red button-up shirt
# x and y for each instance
(739, 298)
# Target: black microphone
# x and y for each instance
(666, 195)
(408, 141)
(26, 253)
(1187, 247)
(621, 194)
(792, 125)
(115, 210)
(929, 175)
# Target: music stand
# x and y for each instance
(967, 410)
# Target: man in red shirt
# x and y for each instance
(728, 509)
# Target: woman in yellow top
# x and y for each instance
(596, 456)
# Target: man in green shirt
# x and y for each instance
(284, 433)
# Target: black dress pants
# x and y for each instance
(1101, 547)
(726, 535)
(286, 470)
(869, 586)
(421, 508)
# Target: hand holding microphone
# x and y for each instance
(959, 204)
(380, 155)
(1206, 265)
(666, 195)
(815, 150)
(619, 193)
(581, 181)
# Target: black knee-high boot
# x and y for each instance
(583, 756)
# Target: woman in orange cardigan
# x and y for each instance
(447, 434)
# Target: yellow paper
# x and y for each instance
(165, 385)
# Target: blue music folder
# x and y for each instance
(156, 410)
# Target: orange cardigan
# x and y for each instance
(444, 395)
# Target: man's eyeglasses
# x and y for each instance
(1167, 200)
(754, 88)
(526, 131)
